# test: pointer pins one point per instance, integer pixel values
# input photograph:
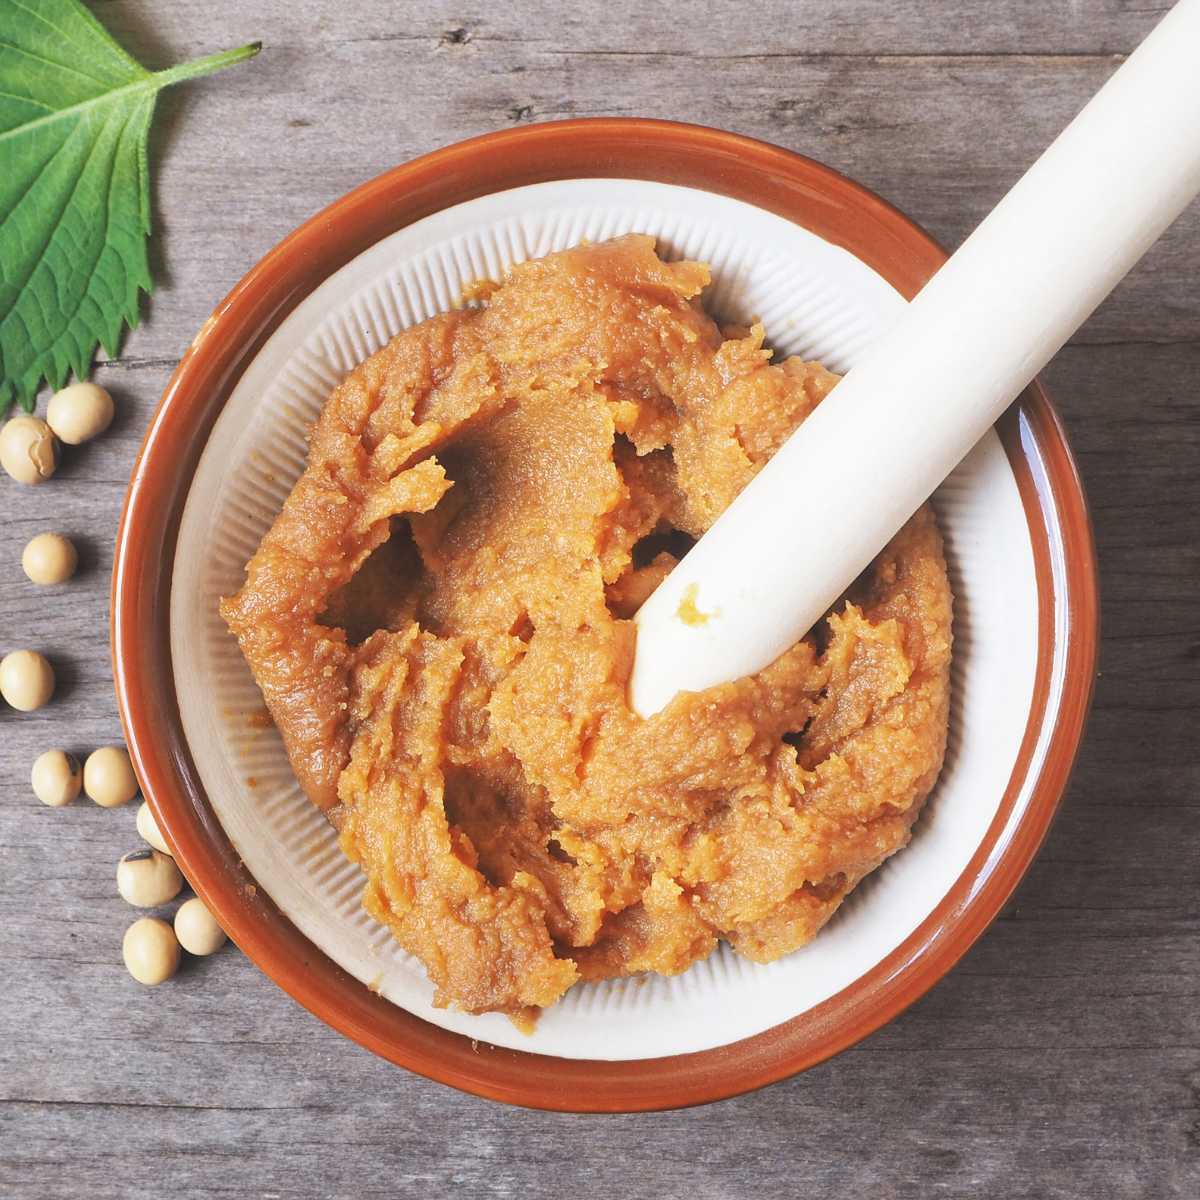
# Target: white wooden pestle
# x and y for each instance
(927, 391)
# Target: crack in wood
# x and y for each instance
(122, 363)
(947, 58)
(161, 1104)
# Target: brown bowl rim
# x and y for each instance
(770, 177)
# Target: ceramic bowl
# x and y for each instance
(826, 265)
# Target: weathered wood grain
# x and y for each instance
(1060, 1059)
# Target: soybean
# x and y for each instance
(56, 778)
(151, 951)
(26, 679)
(108, 777)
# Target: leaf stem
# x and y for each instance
(206, 65)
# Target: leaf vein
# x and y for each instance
(27, 100)
(40, 16)
(82, 106)
(103, 36)
(51, 62)
(106, 39)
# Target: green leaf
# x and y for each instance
(75, 110)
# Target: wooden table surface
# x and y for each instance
(1061, 1058)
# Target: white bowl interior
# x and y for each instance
(816, 300)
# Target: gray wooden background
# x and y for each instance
(1060, 1059)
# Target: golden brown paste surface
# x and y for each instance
(439, 622)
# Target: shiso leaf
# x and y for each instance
(75, 112)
